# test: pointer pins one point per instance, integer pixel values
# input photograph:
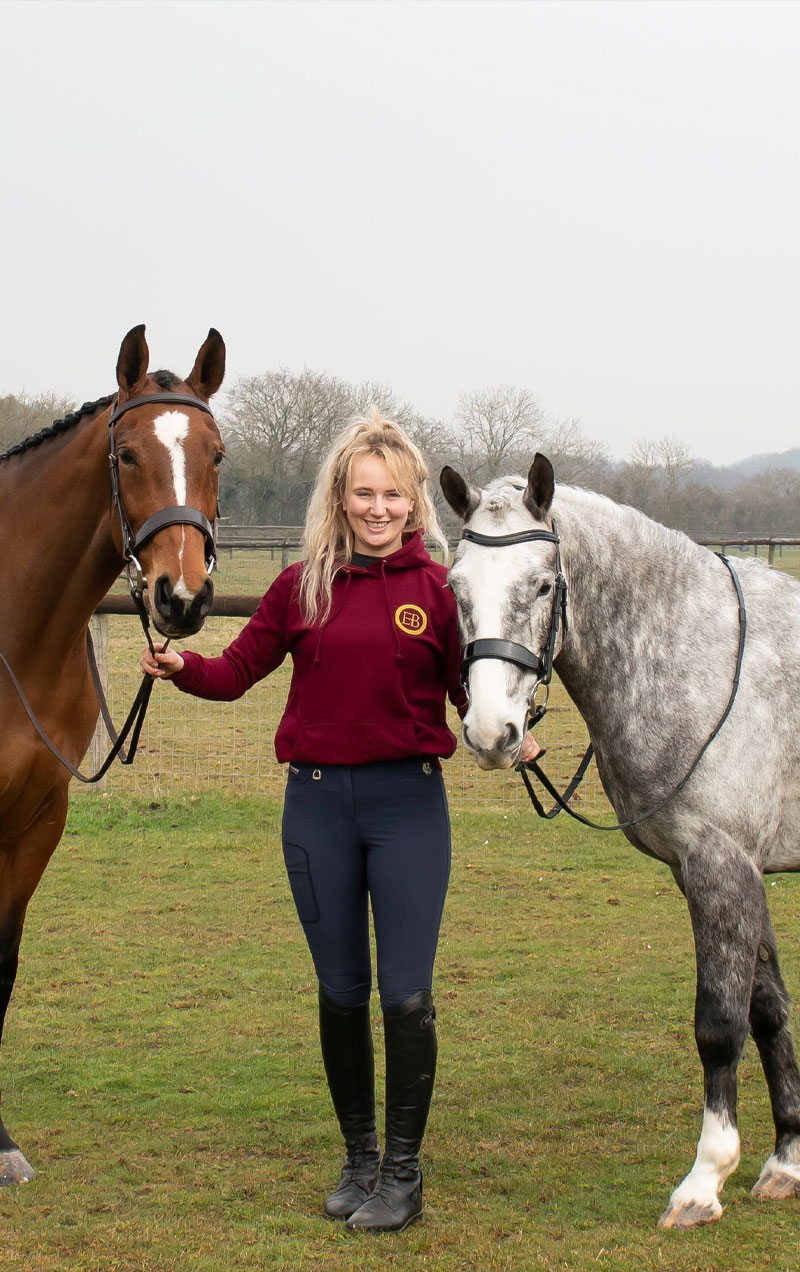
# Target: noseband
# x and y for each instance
(173, 516)
(509, 650)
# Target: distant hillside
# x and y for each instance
(758, 463)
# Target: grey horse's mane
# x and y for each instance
(505, 493)
(629, 522)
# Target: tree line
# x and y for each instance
(277, 426)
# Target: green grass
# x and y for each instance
(162, 1070)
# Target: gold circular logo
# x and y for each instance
(411, 619)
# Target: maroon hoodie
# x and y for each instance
(371, 682)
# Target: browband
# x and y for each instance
(506, 540)
(181, 399)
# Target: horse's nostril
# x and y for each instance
(162, 593)
(204, 599)
(511, 737)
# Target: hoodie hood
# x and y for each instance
(411, 556)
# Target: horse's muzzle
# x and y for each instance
(496, 752)
(177, 614)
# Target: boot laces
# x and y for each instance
(359, 1157)
(394, 1173)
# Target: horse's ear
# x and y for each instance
(209, 367)
(132, 363)
(540, 488)
(461, 498)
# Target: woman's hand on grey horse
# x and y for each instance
(530, 749)
(162, 664)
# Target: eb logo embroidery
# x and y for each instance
(411, 619)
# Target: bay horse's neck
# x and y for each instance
(55, 501)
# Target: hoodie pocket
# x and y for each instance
(301, 883)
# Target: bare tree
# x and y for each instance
(493, 425)
(279, 424)
(656, 475)
(22, 414)
(286, 417)
(578, 460)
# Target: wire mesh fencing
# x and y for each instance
(189, 745)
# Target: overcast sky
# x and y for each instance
(597, 201)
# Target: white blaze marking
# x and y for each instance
(172, 429)
(493, 575)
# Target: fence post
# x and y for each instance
(771, 554)
(101, 741)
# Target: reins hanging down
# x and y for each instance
(133, 723)
(520, 656)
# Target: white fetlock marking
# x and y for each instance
(775, 1165)
(717, 1158)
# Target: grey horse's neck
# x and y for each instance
(649, 612)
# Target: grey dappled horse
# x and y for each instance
(648, 657)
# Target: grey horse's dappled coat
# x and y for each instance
(649, 658)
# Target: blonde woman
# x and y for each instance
(371, 630)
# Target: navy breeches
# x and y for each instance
(361, 834)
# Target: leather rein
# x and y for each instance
(132, 543)
(520, 656)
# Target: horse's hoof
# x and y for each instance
(689, 1214)
(14, 1168)
(776, 1184)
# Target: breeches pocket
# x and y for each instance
(301, 883)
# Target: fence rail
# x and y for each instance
(189, 744)
(288, 539)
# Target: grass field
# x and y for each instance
(162, 1072)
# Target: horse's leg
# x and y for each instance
(769, 1022)
(726, 903)
(22, 864)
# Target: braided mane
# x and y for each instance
(164, 380)
(57, 427)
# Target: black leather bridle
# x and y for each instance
(509, 650)
(176, 515)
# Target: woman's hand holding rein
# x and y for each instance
(162, 664)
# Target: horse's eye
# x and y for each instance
(218, 458)
(545, 589)
(127, 457)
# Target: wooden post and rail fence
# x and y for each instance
(287, 539)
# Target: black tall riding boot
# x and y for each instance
(410, 1069)
(346, 1039)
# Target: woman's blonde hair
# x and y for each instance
(328, 537)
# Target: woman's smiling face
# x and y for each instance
(376, 510)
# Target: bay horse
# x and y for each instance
(66, 529)
(649, 655)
